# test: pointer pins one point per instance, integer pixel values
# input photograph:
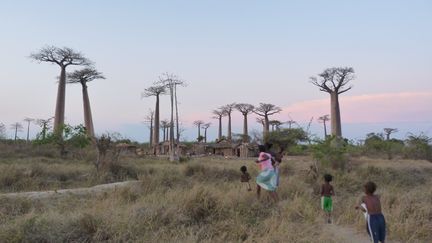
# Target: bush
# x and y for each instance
(331, 152)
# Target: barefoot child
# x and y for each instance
(370, 204)
(326, 196)
(245, 177)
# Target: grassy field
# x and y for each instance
(202, 200)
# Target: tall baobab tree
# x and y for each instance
(265, 110)
(334, 81)
(63, 57)
(169, 81)
(198, 123)
(149, 120)
(205, 126)
(218, 114)
(323, 120)
(156, 91)
(84, 76)
(245, 109)
(28, 120)
(17, 127)
(389, 131)
(176, 83)
(228, 109)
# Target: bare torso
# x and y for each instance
(373, 204)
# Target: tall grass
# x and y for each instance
(203, 201)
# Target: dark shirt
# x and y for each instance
(327, 190)
(245, 177)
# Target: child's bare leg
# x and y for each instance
(249, 187)
(258, 191)
(275, 196)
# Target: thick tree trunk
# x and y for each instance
(88, 120)
(199, 132)
(266, 127)
(245, 129)
(156, 128)
(220, 128)
(229, 135)
(60, 103)
(336, 127)
(28, 131)
(177, 116)
(325, 129)
(173, 156)
(151, 133)
(205, 135)
(16, 132)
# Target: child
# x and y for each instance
(267, 177)
(326, 196)
(370, 204)
(245, 177)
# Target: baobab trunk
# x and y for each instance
(266, 128)
(151, 133)
(220, 128)
(336, 128)
(325, 129)
(229, 136)
(177, 116)
(205, 135)
(156, 128)
(199, 131)
(60, 103)
(245, 129)
(87, 112)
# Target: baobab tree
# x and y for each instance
(84, 76)
(323, 120)
(149, 120)
(245, 109)
(17, 127)
(165, 125)
(156, 91)
(198, 123)
(45, 126)
(334, 81)
(275, 125)
(176, 83)
(63, 57)
(28, 120)
(169, 81)
(228, 109)
(205, 126)
(389, 131)
(265, 110)
(218, 114)
(290, 123)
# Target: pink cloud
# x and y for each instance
(386, 107)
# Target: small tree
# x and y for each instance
(2, 131)
(63, 57)
(285, 138)
(334, 81)
(84, 76)
(389, 131)
(265, 111)
(218, 114)
(245, 109)
(28, 120)
(45, 125)
(198, 123)
(323, 120)
(205, 126)
(17, 127)
(228, 109)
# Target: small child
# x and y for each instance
(327, 192)
(245, 177)
(370, 204)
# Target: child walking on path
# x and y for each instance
(267, 177)
(245, 177)
(327, 192)
(371, 205)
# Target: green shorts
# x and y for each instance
(327, 204)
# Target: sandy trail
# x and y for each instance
(75, 191)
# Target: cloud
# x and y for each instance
(368, 108)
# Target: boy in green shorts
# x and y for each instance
(326, 196)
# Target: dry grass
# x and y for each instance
(202, 201)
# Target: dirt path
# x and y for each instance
(342, 233)
(75, 191)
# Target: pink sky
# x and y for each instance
(368, 108)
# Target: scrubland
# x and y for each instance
(202, 200)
